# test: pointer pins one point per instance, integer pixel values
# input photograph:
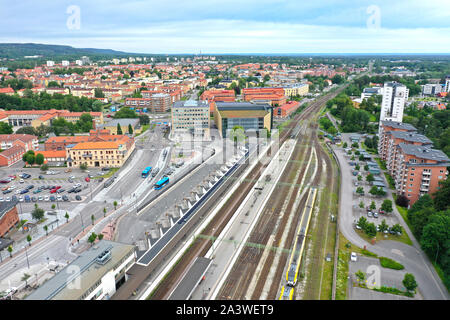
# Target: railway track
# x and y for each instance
(202, 245)
(235, 287)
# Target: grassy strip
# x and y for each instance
(391, 264)
(144, 128)
(396, 291)
(381, 163)
(107, 175)
(390, 180)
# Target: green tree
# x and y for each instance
(435, 235)
(10, 250)
(104, 212)
(373, 206)
(119, 129)
(98, 93)
(37, 213)
(29, 240)
(39, 159)
(441, 197)
(383, 226)
(92, 238)
(44, 167)
(397, 228)
(370, 177)
(93, 219)
(362, 223)
(371, 230)
(360, 190)
(25, 278)
(361, 205)
(83, 166)
(130, 129)
(359, 178)
(361, 276)
(67, 217)
(100, 236)
(410, 282)
(5, 128)
(46, 230)
(115, 205)
(344, 145)
(386, 206)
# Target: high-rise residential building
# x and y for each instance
(78, 62)
(394, 98)
(65, 63)
(447, 84)
(50, 63)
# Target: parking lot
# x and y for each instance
(387, 277)
(32, 185)
(372, 215)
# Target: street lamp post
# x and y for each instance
(26, 253)
(82, 224)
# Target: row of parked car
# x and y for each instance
(27, 198)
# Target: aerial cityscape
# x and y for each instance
(269, 151)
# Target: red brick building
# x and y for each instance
(286, 109)
(410, 160)
(8, 216)
(274, 96)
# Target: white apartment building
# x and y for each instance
(78, 62)
(192, 117)
(50, 63)
(65, 63)
(369, 92)
(447, 84)
(431, 88)
(395, 96)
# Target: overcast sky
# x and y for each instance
(232, 26)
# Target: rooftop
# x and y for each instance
(398, 125)
(90, 271)
(424, 152)
(411, 136)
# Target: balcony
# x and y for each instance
(87, 155)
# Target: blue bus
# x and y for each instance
(146, 172)
(161, 183)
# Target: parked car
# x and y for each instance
(60, 190)
(375, 215)
(41, 198)
(20, 199)
(5, 181)
(53, 190)
(77, 197)
(77, 190)
(27, 198)
(21, 181)
(7, 191)
(7, 199)
(30, 187)
(105, 169)
(356, 183)
(353, 257)
(52, 198)
(59, 198)
(41, 177)
(34, 199)
(47, 198)
(1, 199)
(24, 191)
(65, 198)
(357, 227)
(37, 191)
(87, 179)
(370, 214)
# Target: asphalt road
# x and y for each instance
(414, 260)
